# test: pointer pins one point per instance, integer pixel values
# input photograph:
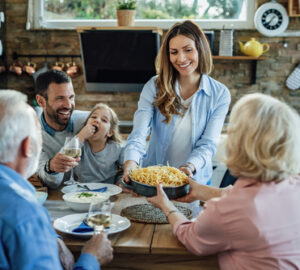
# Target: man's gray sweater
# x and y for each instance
(53, 141)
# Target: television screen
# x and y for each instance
(118, 60)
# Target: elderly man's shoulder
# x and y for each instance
(22, 208)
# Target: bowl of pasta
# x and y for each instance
(144, 181)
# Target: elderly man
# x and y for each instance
(27, 239)
(55, 94)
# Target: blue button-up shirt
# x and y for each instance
(208, 110)
(27, 239)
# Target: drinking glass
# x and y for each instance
(72, 149)
(99, 216)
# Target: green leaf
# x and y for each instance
(85, 194)
(126, 4)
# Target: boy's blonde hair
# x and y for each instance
(114, 123)
(263, 139)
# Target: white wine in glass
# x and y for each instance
(72, 152)
(72, 149)
(99, 216)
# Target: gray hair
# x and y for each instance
(16, 123)
(263, 139)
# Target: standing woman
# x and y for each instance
(182, 107)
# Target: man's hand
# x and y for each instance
(61, 163)
(100, 247)
(86, 132)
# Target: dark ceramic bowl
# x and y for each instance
(150, 191)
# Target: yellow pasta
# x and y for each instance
(152, 175)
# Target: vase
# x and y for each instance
(125, 17)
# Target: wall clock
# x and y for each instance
(271, 19)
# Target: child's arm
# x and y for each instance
(86, 132)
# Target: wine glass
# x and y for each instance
(99, 216)
(72, 149)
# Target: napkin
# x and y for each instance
(83, 228)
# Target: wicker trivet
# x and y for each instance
(147, 213)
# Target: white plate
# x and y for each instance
(111, 189)
(68, 223)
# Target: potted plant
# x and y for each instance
(126, 12)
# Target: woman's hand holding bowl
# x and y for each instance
(129, 166)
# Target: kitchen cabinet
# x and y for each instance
(294, 8)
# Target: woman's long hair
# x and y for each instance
(167, 100)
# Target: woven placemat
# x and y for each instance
(147, 213)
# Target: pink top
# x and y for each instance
(253, 226)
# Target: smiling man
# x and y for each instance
(55, 94)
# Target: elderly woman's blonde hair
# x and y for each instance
(114, 122)
(263, 139)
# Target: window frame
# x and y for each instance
(41, 23)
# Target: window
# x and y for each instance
(209, 14)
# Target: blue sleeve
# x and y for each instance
(135, 148)
(206, 145)
(31, 244)
(87, 261)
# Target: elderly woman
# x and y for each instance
(256, 223)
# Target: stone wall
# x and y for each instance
(271, 73)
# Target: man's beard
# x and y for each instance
(54, 115)
(33, 161)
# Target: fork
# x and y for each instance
(84, 186)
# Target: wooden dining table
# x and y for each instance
(144, 246)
